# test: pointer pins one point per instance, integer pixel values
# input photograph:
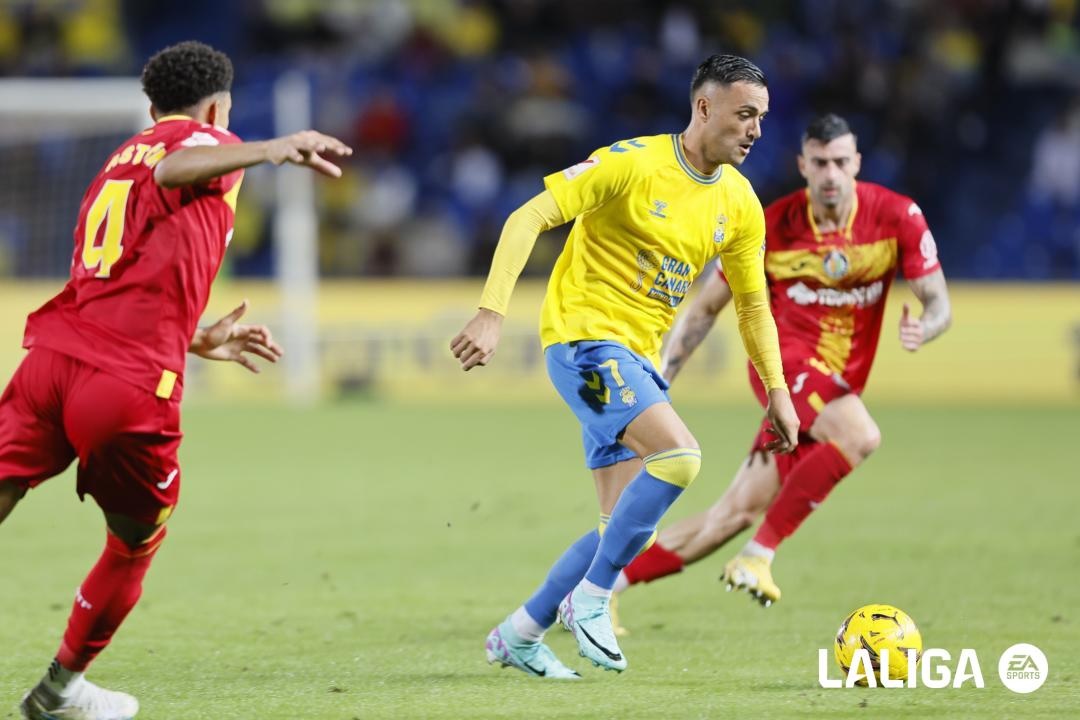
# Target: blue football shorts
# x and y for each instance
(607, 385)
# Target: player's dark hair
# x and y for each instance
(181, 75)
(726, 69)
(826, 128)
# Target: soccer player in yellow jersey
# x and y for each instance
(649, 214)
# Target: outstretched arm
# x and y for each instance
(933, 293)
(694, 323)
(475, 344)
(195, 165)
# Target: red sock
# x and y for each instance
(653, 564)
(806, 485)
(105, 598)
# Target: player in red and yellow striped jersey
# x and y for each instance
(102, 380)
(832, 252)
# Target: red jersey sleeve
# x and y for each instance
(915, 242)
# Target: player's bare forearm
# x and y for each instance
(687, 334)
(933, 293)
(936, 316)
(694, 324)
(195, 165)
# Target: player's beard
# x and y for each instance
(831, 201)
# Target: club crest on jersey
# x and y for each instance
(574, 170)
(628, 397)
(836, 264)
(718, 233)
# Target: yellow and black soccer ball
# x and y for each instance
(875, 628)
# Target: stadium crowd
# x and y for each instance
(456, 108)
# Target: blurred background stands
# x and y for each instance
(457, 110)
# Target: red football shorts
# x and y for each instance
(813, 386)
(57, 409)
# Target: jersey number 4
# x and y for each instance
(110, 208)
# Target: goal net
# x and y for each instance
(54, 136)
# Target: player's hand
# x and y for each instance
(475, 345)
(784, 422)
(230, 341)
(911, 331)
(307, 148)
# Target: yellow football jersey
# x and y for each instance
(647, 222)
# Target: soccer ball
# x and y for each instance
(875, 628)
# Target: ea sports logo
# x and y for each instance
(1023, 668)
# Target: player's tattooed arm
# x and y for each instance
(694, 324)
(933, 293)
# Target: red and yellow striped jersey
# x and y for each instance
(828, 290)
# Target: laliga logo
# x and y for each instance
(864, 669)
(1022, 668)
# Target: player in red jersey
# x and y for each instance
(103, 377)
(832, 251)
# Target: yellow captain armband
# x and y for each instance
(678, 466)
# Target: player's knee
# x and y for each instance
(871, 440)
(678, 466)
(863, 442)
(858, 442)
(141, 546)
(135, 535)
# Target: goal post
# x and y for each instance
(296, 254)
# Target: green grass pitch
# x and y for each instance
(346, 562)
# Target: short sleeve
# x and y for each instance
(204, 135)
(742, 256)
(592, 182)
(915, 242)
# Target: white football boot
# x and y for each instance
(84, 701)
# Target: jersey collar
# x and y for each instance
(175, 116)
(689, 169)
